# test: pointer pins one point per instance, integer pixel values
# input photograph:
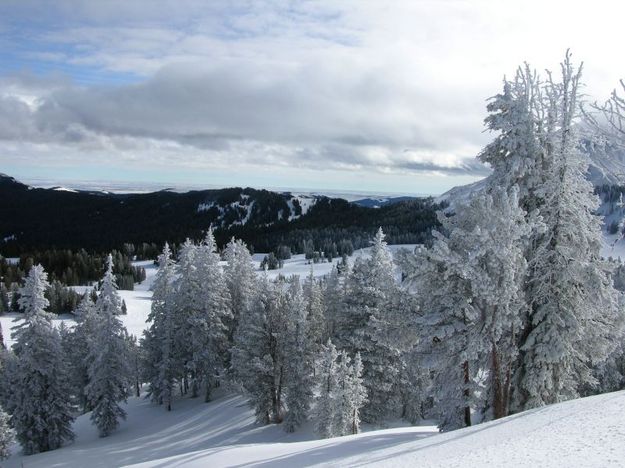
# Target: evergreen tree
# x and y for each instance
(7, 435)
(209, 340)
(241, 281)
(313, 297)
(162, 366)
(325, 401)
(39, 401)
(470, 285)
(299, 365)
(109, 370)
(371, 286)
(258, 352)
(79, 344)
(574, 317)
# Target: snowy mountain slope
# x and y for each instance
(588, 432)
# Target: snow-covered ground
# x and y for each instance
(583, 433)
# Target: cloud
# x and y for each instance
(331, 86)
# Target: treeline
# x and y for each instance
(332, 222)
(72, 268)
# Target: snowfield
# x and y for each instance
(588, 432)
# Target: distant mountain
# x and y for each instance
(382, 201)
(58, 217)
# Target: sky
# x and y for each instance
(371, 96)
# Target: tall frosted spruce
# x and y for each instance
(370, 288)
(469, 285)
(39, 402)
(109, 362)
(574, 318)
(162, 366)
(299, 359)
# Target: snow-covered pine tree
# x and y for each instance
(371, 285)
(161, 366)
(187, 291)
(516, 154)
(79, 343)
(317, 323)
(469, 283)
(354, 395)
(258, 352)
(574, 316)
(325, 408)
(207, 322)
(39, 400)
(241, 281)
(108, 358)
(7, 435)
(333, 291)
(299, 359)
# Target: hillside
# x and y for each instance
(584, 433)
(38, 218)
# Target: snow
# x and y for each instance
(64, 189)
(584, 433)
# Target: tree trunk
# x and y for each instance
(467, 394)
(497, 390)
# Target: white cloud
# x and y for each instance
(394, 88)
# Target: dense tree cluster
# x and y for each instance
(72, 268)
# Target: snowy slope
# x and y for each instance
(583, 433)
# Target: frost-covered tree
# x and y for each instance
(108, 358)
(299, 359)
(79, 343)
(161, 365)
(317, 324)
(371, 285)
(470, 288)
(341, 393)
(352, 394)
(258, 353)
(325, 408)
(209, 339)
(7, 435)
(39, 401)
(241, 281)
(574, 317)
(203, 307)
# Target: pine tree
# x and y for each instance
(470, 284)
(299, 359)
(209, 338)
(39, 402)
(371, 286)
(354, 395)
(79, 343)
(241, 281)
(7, 435)
(162, 366)
(109, 370)
(574, 317)
(258, 352)
(317, 324)
(325, 401)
